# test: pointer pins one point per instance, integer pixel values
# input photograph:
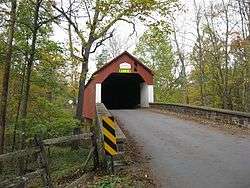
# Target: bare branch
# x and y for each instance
(49, 20)
(74, 25)
(109, 25)
(87, 9)
(129, 22)
(98, 44)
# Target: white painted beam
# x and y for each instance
(144, 95)
(150, 93)
(98, 93)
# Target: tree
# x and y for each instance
(181, 59)
(115, 45)
(41, 15)
(218, 63)
(241, 47)
(26, 86)
(224, 57)
(102, 58)
(199, 48)
(95, 26)
(6, 76)
(155, 50)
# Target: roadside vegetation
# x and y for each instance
(206, 63)
(42, 80)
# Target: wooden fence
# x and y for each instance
(38, 148)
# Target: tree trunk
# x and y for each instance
(6, 76)
(248, 17)
(19, 102)
(247, 78)
(215, 53)
(200, 57)
(244, 56)
(227, 95)
(24, 106)
(79, 107)
(183, 73)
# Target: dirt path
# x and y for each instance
(188, 154)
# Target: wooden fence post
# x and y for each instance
(22, 161)
(76, 143)
(95, 153)
(22, 185)
(43, 162)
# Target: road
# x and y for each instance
(186, 154)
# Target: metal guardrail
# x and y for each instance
(241, 119)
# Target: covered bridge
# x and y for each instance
(123, 83)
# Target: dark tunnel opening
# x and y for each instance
(121, 91)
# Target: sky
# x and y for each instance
(184, 24)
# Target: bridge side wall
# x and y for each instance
(89, 100)
(240, 119)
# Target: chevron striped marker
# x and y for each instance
(109, 135)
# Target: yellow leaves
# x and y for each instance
(240, 43)
(143, 4)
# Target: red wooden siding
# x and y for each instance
(112, 67)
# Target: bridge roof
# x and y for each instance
(115, 59)
(131, 56)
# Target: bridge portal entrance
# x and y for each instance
(122, 91)
(122, 83)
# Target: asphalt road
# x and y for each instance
(186, 154)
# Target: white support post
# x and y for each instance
(98, 93)
(150, 93)
(144, 95)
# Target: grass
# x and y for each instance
(112, 181)
(108, 182)
(66, 162)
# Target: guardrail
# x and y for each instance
(241, 119)
(101, 111)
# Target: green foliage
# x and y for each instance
(114, 181)
(49, 113)
(224, 81)
(219, 72)
(108, 182)
(155, 50)
(102, 58)
(50, 119)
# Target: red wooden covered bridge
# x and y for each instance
(123, 83)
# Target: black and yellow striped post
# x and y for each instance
(109, 135)
(109, 139)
